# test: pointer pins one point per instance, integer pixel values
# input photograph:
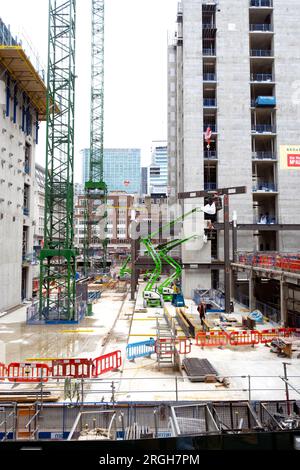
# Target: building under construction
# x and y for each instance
(191, 340)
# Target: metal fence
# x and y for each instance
(35, 317)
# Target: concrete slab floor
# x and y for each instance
(141, 380)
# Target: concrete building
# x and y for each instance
(23, 106)
(232, 69)
(121, 169)
(158, 170)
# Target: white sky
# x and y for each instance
(135, 68)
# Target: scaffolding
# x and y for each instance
(58, 256)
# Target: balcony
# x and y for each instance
(264, 156)
(264, 187)
(209, 102)
(261, 53)
(265, 220)
(263, 129)
(262, 77)
(261, 3)
(210, 186)
(265, 101)
(209, 52)
(210, 155)
(213, 127)
(209, 77)
(261, 28)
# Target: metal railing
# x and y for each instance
(210, 186)
(263, 128)
(210, 154)
(265, 221)
(209, 52)
(263, 186)
(262, 77)
(261, 3)
(213, 127)
(209, 102)
(209, 77)
(264, 156)
(261, 53)
(263, 27)
(174, 387)
(208, 26)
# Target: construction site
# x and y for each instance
(190, 340)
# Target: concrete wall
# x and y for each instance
(12, 181)
(234, 117)
(172, 122)
(287, 75)
(191, 172)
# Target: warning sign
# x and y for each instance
(290, 157)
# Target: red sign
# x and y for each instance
(293, 160)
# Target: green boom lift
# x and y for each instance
(165, 288)
(125, 270)
(152, 296)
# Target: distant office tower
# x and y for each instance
(144, 181)
(85, 162)
(232, 73)
(158, 171)
(121, 169)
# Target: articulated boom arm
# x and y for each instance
(163, 253)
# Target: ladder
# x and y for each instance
(165, 345)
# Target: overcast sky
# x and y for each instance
(135, 67)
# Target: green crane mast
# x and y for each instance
(58, 256)
(96, 189)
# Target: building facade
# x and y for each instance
(21, 111)
(121, 169)
(144, 181)
(158, 171)
(232, 104)
(119, 206)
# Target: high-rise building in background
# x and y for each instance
(144, 180)
(23, 105)
(121, 169)
(85, 165)
(231, 70)
(158, 170)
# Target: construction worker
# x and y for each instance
(202, 311)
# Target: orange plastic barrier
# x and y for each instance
(76, 368)
(185, 346)
(3, 371)
(212, 339)
(21, 372)
(244, 338)
(106, 363)
(266, 336)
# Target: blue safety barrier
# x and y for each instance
(143, 349)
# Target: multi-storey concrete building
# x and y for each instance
(232, 70)
(23, 106)
(144, 180)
